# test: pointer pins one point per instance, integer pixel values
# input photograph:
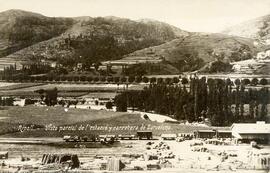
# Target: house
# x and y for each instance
(205, 134)
(247, 132)
(224, 134)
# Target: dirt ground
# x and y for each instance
(185, 159)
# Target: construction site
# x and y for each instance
(165, 153)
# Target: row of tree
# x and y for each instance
(6, 101)
(215, 99)
(8, 75)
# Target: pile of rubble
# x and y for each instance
(157, 156)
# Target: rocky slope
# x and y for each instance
(258, 28)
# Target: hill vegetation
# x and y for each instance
(215, 99)
(19, 29)
(196, 50)
(89, 41)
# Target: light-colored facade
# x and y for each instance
(247, 132)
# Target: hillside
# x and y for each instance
(194, 51)
(258, 28)
(19, 29)
(90, 40)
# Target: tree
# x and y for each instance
(145, 79)
(102, 79)
(153, 80)
(76, 78)
(123, 79)
(89, 79)
(228, 81)
(116, 79)
(96, 79)
(245, 81)
(212, 99)
(160, 80)
(237, 82)
(109, 105)
(219, 66)
(131, 79)
(109, 79)
(121, 102)
(82, 78)
(184, 81)
(138, 79)
(51, 97)
(254, 81)
(175, 80)
(168, 80)
(263, 81)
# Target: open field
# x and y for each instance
(14, 86)
(51, 115)
(12, 117)
(65, 90)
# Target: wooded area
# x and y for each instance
(215, 99)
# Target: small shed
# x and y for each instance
(144, 134)
(204, 133)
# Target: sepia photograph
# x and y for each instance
(134, 86)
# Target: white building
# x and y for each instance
(247, 132)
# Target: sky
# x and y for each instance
(190, 15)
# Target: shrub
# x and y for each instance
(138, 79)
(160, 80)
(109, 79)
(123, 79)
(263, 81)
(89, 78)
(153, 80)
(145, 79)
(175, 80)
(245, 81)
(131, 79)
(168, 80)
(184, 81)
(254, 81)
(116, 79)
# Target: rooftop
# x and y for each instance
(251, 128)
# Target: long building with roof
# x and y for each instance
(247, 132)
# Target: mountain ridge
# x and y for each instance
(257, 28)
(94, 39)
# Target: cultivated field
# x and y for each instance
(65, 90)
(14, 86)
